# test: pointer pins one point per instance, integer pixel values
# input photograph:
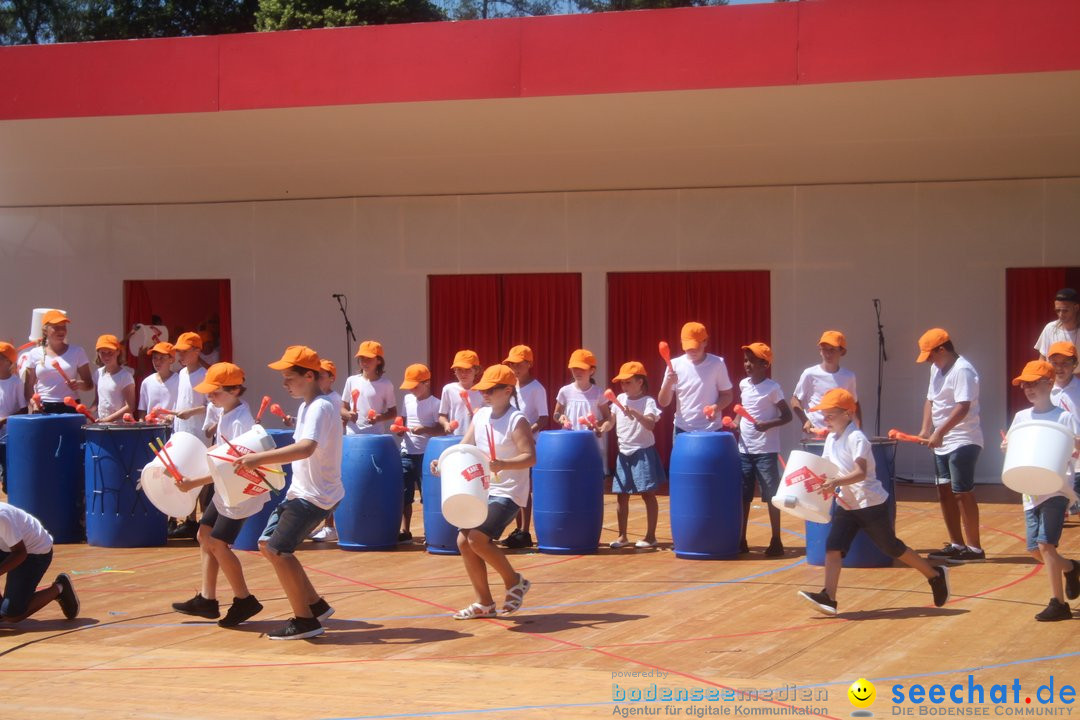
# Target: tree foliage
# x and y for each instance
(300, 14)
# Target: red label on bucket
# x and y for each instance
(475, 472)
(244, 472)
(804, 475)
(255, 489)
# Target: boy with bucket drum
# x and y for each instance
(860, 504)
(1066, 392)
(1044, 515)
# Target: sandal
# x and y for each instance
(476, 611)
(644, 545)
(515, 596)
(617, 544)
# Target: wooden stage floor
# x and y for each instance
(627, 618)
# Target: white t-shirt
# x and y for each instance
(317, 479)
(513, 484)
(959, 384)
(1057, 415)
(578, 403)
(632, 434)
(814, 383)
(213, 414)
(50, 383)
(1068, 397)
(155, 393)
(1054, 332)
(842, 452)
(423, 412)
(377, 396)
(18, 526)
(760, 401)
(453, 407)
(110, 389)
(186, 397)
(232, 424)
(698, 386)
(12, 396)
(533, 402)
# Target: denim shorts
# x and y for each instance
(958, 468)
(222, 528)
(501, 512)
(874, 521)
(761, 469)
(22, 582)
(639, 472)
(412, 472)
(1044, 522)
(290, 524)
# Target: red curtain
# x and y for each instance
(644, 308)
(463, 313)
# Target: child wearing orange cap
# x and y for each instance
(818, 379)
(515, 453)
(1066, 391)
(582, 399)
(115, 382)
(328, 532)
(860, 504)
(1045, 514)
(373, 392)
(159, 389)
(49, 382)
(696, 379)
(190, 410)
(759, 450)
(951, 429)
(638, 468)
(466, 368)
(220, 525)
(315, 491)
(421, 422)
(12, 400)
(531, 399)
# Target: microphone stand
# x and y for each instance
(350, 336)
(881, 360)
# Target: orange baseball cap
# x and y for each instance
(496, 375)
(760, 350)
(629, 370)
(1034, 371)
(220, 375)
(188, 341)
(107, 342)
(1063, 347)
(834, 338)
(582, 359)
(837, 398)
(328, 366)
(930, 340)
(369, 349)
(162, 347)
(54, 317)
(693, 335)
(519, 353)
(465, 360)
(414, 375)
(300, 356)
(8, 351)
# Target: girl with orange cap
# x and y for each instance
(638, 468)
(372, 392)
(582, 399)
(452, 407)
(115, 383)
(56, 370)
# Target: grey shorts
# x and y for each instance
(290, 523)
(501, 512)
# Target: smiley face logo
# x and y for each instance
(862, 693)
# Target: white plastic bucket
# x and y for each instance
(1037, 457)
(800, 492)
(189, 456)
(465, 473)
(144, 337)
(35, 322)
(236, 487)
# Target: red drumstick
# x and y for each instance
(151, 417)
(491, 442)
(70, 401)
(371, 415)
(584, 422)
(610, 395)
(82, 409)
(592, 421)
(60, 370)
(355, 400)
(453, 425)
(262, 407)
(36, 398)
(741, 412)
(275, 409)
(710, 412)
(175, 471)
(665, 352)
(727, 423)
(129, 418)
(818, 432)
(567, 425)
(895, 434)
(163, 411)
(465, 399)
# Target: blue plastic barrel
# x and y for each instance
(568, 492)
(863, 553)
(248, 539)
(45, 469)
(369, 517)
(118, 513)
(439, 535)
(706, 495)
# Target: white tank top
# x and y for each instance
(513, 484)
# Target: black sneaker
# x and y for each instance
(967, 555)
(68, 600)
(186, 530)
(518, 540)
(199, 606)
(1072, 581)
(820, 600)
(946, 553)
(404, 537)
(1055, 611)
(321, 610)
(242, 609)
(511, 537)
(298, 629)
(940, 586)
(775, 549)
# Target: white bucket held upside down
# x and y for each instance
(1037, 457)
(466, 473)
(188, 454)
(800, 492)
(237, 486)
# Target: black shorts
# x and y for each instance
(874, 521)
(223, 528)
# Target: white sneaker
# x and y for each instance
(325, 534)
